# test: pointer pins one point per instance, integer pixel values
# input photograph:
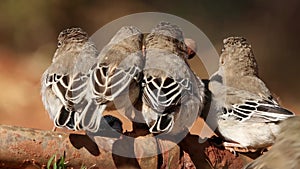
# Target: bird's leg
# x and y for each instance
(232, 150)
(235, 147)
(263, 150)
(54, 128)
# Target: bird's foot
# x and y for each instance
(236, 147)
(54, 128)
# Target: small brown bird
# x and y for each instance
(243, 111)
(114, 81)
(64, 83)
(285, 153)
(172, 94)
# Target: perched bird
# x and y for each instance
(172, 94)
(285, 153)
(64, 83)
(243, 111)
(114, 81)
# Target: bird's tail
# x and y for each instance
(65, 118)
(90, 117)
(163, 123)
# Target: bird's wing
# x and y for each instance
(119, 65)
(163, 93)
(70, 89)
(254, 108)
(109, 82)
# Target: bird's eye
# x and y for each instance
(59, 44)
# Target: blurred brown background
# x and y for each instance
(28, 32)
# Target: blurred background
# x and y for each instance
(29, 29)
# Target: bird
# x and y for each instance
(242, 109)
(114, 80)
(172, 95)
(64, 82)
(285, 153)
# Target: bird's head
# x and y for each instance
(237, 57)
(71, 39)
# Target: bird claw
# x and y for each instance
(232, 150)
(236, 147)
(54, 128)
